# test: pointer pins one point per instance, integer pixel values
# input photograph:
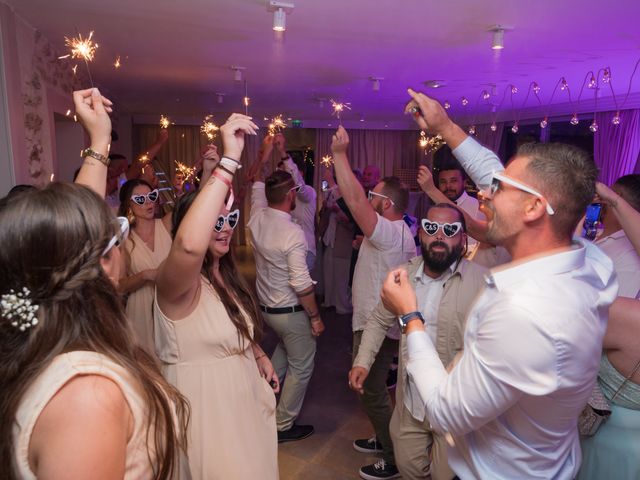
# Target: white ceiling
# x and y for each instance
(176, 54)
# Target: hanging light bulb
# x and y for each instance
(574, 119)
(447, 105)
(544, 123)
(616, 118)
(563, 84)
(515, 127)
(514, 89)
(494, 127)
(606, 75)
(592, 82)
(594, 126)
(465, 102)
(485, 95)
(472, 130)
(536, 88)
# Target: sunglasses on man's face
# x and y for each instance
(152, 197)
(231, 218)
(449, 229)
(499, 178)
(372, 194)
(296, 188)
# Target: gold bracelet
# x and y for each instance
(88, 152)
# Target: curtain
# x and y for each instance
(488, 137)
(616, 147)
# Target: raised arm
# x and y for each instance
(93, 112)
(628, 216)
(177, 279)
(352, 192)
(210, 159)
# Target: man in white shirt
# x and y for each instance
(451, 183)
(534, 337)
(286, 295)
(387, 243)
(446, 285)
(614, 241)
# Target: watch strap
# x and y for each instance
(88, 152)
(404, 319)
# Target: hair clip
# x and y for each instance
(18, 306)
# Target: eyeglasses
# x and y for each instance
(498, 177)
(231, 218)
(120, 237)
(449, 229)
(152, 196)
(296, 188)
(371, 194)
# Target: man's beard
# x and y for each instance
(438, 262)
(452, 194)
(499, 230)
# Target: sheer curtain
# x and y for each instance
(616, 147)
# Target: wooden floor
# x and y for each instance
(330, 406)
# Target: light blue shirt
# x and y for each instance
(531, 355)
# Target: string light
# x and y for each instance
(606, 75)
(544, 122)
(464, 101)
(616, 118)
(594, 126)
(574, 119)
(514, 89)
(485, 95)
(447, 105)
(592, 82)
(536, 88)
(563, 84)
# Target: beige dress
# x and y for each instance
(232, 430)
(62, 369)
(140, 303)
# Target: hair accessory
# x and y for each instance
(18, 308)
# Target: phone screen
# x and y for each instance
(325, 185)
(593, 213)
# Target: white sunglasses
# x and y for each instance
(449, 229)
(371, 194)
(120, 237)
(495, 186)
(152, 197)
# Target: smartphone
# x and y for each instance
(325, 185)
(592, 221)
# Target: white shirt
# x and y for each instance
(625, 260)
(390, 245)
(305, 212)
(469, 205)
(280, 251)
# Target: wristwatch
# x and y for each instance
(88, 152)
(403, 320)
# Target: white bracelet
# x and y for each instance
(230, 163)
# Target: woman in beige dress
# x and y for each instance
(207, 328)
(145, 249)
(78, 398)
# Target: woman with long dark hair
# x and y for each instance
(207, 328)
(79, 398)
(146, 248)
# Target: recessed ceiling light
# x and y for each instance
(435, 83)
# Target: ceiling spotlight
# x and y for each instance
(434, 83)
(237, 72)
(220, 97)
(376, 83)
(497, 42)
(280, 10)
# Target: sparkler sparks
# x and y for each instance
(83, 48)
(277, 125)
(187, 172)
(75, 69)
(339, 108)
(144, 159)
(117, 63)
(430, 144)
(164, 122)
(327, 161)
(209, 128)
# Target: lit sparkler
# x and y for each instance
(117, 63)
(75, 69)
(430, 144)
(164, 122)
(144, 159)
(277, 125)
(327, 161)
(84, 48)
(339, 108)
(186, 171)
(209, 128)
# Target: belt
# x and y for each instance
(279, 310)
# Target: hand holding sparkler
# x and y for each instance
(339, 108)
(164, 122)
(93, 112)
(425, 180)
(210, 158)
(83, 48)
(433, 118)
(340, 142)
(233, 132)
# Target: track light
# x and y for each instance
(237, 72)
(376, 83)
(497, 42)
(280, 10)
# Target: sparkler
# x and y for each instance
(75, 69)
(164, 122)
(117, 63)
(327, 161)
(277, 125)
(246, 99)
(338, 108)
(430, 144)
(144, 159)
(83, 48)
(209, 128)
(187, 172)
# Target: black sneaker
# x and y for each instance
(368, 445)
(380, 469)
(296, 432)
